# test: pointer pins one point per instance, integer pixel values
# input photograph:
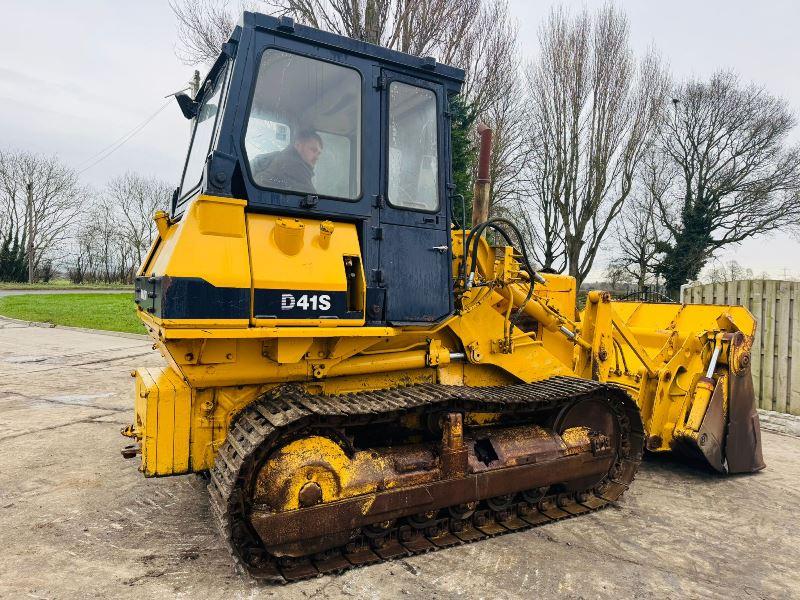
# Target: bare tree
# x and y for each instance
(489, 54)
(135, 199)
(57, 199)
(418, 27)
(618, 279)
(101, 250)
(736, 176)
(476, 35)
(730, 271)
(594, 113)
(639, 231)
(494, 92)
(203, 26)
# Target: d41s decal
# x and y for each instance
(314, 302)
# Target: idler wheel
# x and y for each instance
(597, 416)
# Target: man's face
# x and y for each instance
(309, 150)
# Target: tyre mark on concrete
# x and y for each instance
(62, 359)
(92, 419)
(5, 377)
(51, 400)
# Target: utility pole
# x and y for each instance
(29, 211)
(195, 85)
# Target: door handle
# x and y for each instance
(441, 249)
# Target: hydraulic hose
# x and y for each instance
(494, 224)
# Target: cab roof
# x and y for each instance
(426, 66)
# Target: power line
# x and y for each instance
(117, 144)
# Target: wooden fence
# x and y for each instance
(776, 349)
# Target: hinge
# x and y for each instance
(380, 82)
(377, 276)
(379, 201)
(377, 233)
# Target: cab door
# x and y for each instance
(414, 232)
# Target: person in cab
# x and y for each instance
(293, 167)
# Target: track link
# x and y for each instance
(257, 429)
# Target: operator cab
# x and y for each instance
(301, 122)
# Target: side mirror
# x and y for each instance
(187, 105)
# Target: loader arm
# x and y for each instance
(687, 366)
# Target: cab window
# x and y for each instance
(203, 132)
(304, 128)
(413, 148)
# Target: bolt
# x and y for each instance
(310, 494)
(189, 357)
(229, 356)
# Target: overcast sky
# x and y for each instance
(76, 76)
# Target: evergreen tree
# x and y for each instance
(464, 154)
(13, 262)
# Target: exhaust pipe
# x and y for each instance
(480, 197)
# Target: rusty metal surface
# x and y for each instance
(290, 409)
(711, 434)
(743, 444)
(329, 519)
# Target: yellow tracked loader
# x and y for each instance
(359, 378)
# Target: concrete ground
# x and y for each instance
(78, 521)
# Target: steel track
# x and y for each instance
(257, 429)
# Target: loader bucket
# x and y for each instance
(705, 412)
(728, 440)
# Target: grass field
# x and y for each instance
(61, 284)
(112, 312)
